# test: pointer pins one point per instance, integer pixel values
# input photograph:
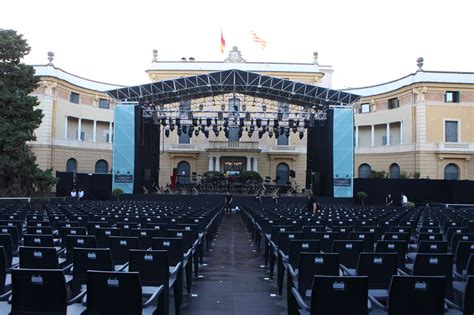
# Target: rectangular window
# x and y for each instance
(103, 103)
(107, 137)
(74, 98)
(384, 140)
(451, 97)
(451, 131)
(365, 108)
(83, 135)
(283, 139)
(393, 103)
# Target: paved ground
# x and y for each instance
(233, 281)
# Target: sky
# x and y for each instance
(365, 41)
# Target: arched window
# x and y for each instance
(394, 171)
(282, 174)
(183, 173)
(364, 170)
(101, 167)
(451, 171)
(71, 165)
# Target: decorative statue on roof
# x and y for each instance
(235, 55)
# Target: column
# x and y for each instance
(372, 136)
(401, 131)
(110, 132)
(248, 164)
(211, 160)
(79, 129)
(94, 131)
(218, 162)
(65, 127)
(357, 137)
(388, 134)
(255, 164)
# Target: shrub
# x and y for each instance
(117, 192)
(362, 195)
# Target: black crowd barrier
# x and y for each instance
(417, 190)
(95, 186)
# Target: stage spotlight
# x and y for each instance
(270, 133)
(226, 132)
(167, 133)
(295, 129)
(260, 134)
(249, 134)
(280, 116)
(163, 121)
(209, 122)
(220, 116)
(201, 107)
(298, 123)
(251, 122)
(264, 107)
(171, 127)
(306, 123)
(195, 122)
(170, 121)
(226, 122)
(291, 123)
(259, 122)
(200, 121)
(242, 122)
(301, 134)
(184, 129)
(247, 116)
(282, 130)
(244, 107)
(275, 123)
(178, 121)
(287, 132)
(222, 107)
(206, 133)
(240, 133)
(179, 132)
(196, 132)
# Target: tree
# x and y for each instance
(19, 174)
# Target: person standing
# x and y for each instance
(74, 193)
(404, 200)
(311, 205)
(388, 200)
(80, 194)
(228, 203)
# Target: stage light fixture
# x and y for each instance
(240, 133)
(171, 127)
(226, 122)
(282, 130)
(291, 123)
(195, 122)
(167, 133)
(259, 122)
(247, 116)
(260, 134)
(163, 121)
(178, 121)
(209, 122)
(226, 132)
(270, 133)
(244, 107)
(306, 123)
(223, 107)
(201, 107)
(220, 116)
(184, 129)
(301, 134)
(295, 129)
(287, 132)
(196, 132)
(242, 122)
(275, 123)
(206, 133)
(249, 134)
(264, 107)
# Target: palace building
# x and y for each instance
(421, 125)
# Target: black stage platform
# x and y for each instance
(233, 282)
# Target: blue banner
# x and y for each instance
(343, 152)
(124, 147)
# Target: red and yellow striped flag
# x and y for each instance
(222, 42)
(259, 40)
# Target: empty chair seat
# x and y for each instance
(38, 258)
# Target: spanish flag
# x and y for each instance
(222, 42)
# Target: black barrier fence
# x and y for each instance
(417, 190)
(95, 186)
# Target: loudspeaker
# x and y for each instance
(147, 174)
(292, 174)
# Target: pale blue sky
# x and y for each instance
(366, 41)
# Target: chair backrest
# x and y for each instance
(399, 247)
(152, 265)
(430, 237)
(38, 291)
(81, 241)
(284, 239)
(186, 236)
(348, 251)
(38, 257)
(120, 247)
(312, 264)
(6, 243)
(435, 265)
(44, 230)
(367, 238)
(302, 246)
(433, 247)
(378, 267)
(326, 238)
(339, 295)
(13, 231)
(173, 245)
(86, 259)
(410, 295)
(102, 235)
(396, 236)
(145, 237)
(470, 265)
(114, 293)
(3, 269)
(463, 251)
(461, 237)
(65, 231)
(40, 240)
(468, 299)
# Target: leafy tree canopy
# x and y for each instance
(19, 117)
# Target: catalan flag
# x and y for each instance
(222, 42)
(259, 40)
